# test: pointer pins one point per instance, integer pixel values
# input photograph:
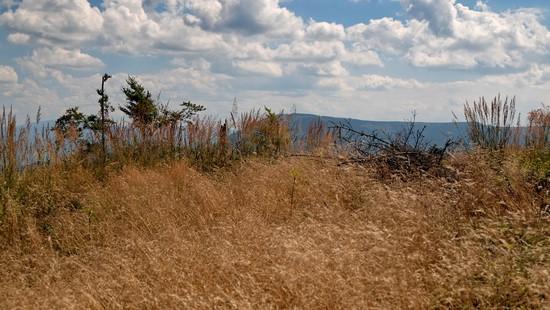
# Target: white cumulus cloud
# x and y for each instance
(212, 49)
(18, 38)
(55, 21)
(60, 57)
(443, 33)
(7, 74)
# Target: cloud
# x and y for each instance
(207, 13)
(482, 6)
(55, 21)
(370, 83)
(244, 17)
(362, 57)
(7, 75)
(248, 17)
(438, 33)
(440, 14)
(7, 3)
(310, 51)
(443, 33)
(535, 76)
(62, 58)
(387, 35)
(260, 67)
(18, 38)
(45, 60)
(24, 97)
(213, 49)
(330, 69)
(379, 82)
(325, 31)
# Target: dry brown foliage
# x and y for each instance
(538, 130)
(175, 237)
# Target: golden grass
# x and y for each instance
(491, 124)
(173, 237)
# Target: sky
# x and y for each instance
(366, 59)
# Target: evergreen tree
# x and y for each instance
(140, 106)
(72, 119)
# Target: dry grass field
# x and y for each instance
(293, 232)
(196, 213)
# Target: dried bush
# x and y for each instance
(538, 130)
(318, 136)
(404, 152)
(259, 133)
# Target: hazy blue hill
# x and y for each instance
(436, 133)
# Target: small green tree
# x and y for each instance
(140, 106)
(73, 119)
(167, 117)
(72, 125)
(171, 120)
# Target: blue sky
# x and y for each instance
(349, 12)
(370, 59)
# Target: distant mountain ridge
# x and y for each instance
(435, 133)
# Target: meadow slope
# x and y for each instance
(288, 233)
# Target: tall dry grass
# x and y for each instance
(491, 124)
(164, 229)
(205, 142)
(294, 233)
